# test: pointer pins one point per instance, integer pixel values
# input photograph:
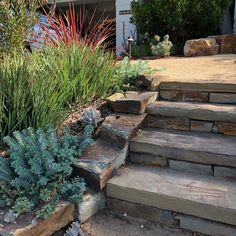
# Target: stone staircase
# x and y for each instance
(182, 164)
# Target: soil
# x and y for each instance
(105, 223)
(219, 68)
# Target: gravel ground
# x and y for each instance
(106, 223)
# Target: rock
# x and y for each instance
(147, 159)
(98, 163)
(227, 43)
(201, 47)
(148, 81)
(195, 111)
(228, 172)
(194, 168)
(205, 227)
(119, 128)
(223, 98)
(134, 103)
(9, 217)
(92, 203)
(201, 126)
(197, 195)
(184, 96)
(167, 123)
(226, 128)
(142, 211)
(61, 217)
(204, 148)
(110, 100)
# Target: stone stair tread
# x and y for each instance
(98, 163)
(206, 197)
(199, 111)
(187, 146)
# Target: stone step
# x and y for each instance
(99, 162)
(209, 149)
(200, 196)
(195, 111)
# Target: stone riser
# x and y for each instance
(169, 218)
(183, 166)
(197, 96)
(185, 124)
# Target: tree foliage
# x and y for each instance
(181, 19)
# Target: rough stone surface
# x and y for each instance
(226, 128)
(184, 96)
(148, 81)
(147, 159)
(227, 43)
(201, 196)
(205, 227)
(222, 171)
(201, 126)
(196, 111)
(142, 211)
(134, 103)
(201, 47)
(186, 146)
(224, 98)
(114, 97)
(98, 163)
(191, 167)
(92, 203)
(63, 215)
(167, 123)
(119, 128)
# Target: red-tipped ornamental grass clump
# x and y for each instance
(72, 27)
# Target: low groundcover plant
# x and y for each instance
(36, 173)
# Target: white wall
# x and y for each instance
(124, 28)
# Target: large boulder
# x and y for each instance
(201, 47)
(227, 43)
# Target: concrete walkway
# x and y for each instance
(217, 69)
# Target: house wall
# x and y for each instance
(124, 28)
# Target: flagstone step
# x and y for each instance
(197, 111)
(99, 162)
(206, 197)
(196, 117)
(209, 149)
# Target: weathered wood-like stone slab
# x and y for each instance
(205, 227)
(226, 128)
(92, 203)
(142, 211)
(148, 81)
(119, 128)
(191, 147)
(201, 126)
(203, 86)
(224, 98)
(198, 111)
(184, 96)
(201, 196)
(63, 215)
(167, 123)
(98, 163)
(221, 171)
(191, 167)
(147, 159)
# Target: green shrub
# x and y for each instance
(126, 71)
(36, 173)
(161, 49)
(140, 50)
(35, 89)
(181, 19)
